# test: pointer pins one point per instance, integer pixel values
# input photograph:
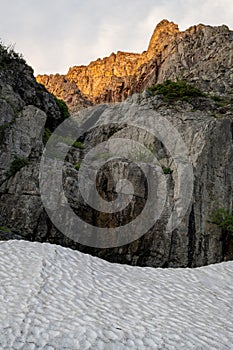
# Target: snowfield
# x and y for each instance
(55, 298)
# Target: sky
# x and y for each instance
(54, 35)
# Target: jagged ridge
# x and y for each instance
(202, 55)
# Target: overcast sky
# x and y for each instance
(56, 34)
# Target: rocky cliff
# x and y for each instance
(201, 55)
(28, 111)
(66, 90)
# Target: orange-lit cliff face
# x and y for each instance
(202, 55)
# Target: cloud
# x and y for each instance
(53, 35)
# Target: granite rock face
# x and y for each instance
(26, 109)
(201, 55)
(196, 241)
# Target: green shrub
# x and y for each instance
(63, 108)
(78, 144)
(77, 166)
(224, 220)
(173, 90)
(16, 165)
(216, 98)
(167, 171)
(5, 229)
(221, 101)
(46, 135)
(8, 55)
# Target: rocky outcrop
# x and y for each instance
(66, 90)
(201, 55)
(26, 109)
(196, 241)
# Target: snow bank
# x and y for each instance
(56, 298)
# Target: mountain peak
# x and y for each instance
(165, 23)
(162, 32)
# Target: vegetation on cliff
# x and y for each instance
(63, 108)
(224, 220)
(16, 165)
(173, 90)
(8, 54)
